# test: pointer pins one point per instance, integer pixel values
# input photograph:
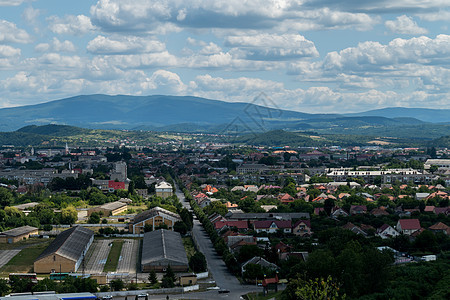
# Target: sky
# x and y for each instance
(315, 56)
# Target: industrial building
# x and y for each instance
(162, 248)
(17, 234)
(155, 217)
(66, 252)
(109, 209)
(164, 189)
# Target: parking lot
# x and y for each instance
(97, 260)
(128, 256)
(6, 256)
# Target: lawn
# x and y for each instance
(23, 262)
(113, 256)
(259, 296)
(189, 246)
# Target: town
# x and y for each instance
(135, 221)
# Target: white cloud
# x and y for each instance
(379, 6)
(11, 2)
(56, 46)
(273, 47)
(9, 33)
(439, 15)
(405, 25)
(31, 15)
(132, 16)
(8, 51)
(124, 45)
(162, 79)
(73, 25)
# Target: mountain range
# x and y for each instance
(194, 114)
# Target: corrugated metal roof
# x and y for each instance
(156, 211)
(163, 247)
(19, 231)
(70, 243)
(113, 205)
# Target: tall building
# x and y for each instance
(120, 171)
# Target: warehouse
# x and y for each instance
(66, 252)
(109, 209)
(154, 217)
(17, 234)
(162, 248)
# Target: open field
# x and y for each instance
(23, 262)
(113, 256)
(189, 246)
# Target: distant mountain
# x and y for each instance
(199, 115)
(127, 112)
(53, 130)
(423, 114)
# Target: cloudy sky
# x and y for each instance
(305, 55)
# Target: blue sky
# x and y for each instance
(318, 56)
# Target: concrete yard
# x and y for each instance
(97, 261)
(6, 256)
(128, 256)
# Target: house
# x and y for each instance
(162, 248)
(17, 234)
(285, 198)
(338, 212)
(272, 226)
(109, 209)
(155, 217)
(358, 209)
(429, 208)
(66, 252)
(116, 185)
(259, 261)
(422, 196)
(440, 227)
(442, 210)
(378, 212)
(268, 207)
(318, 210)
(408, 226)
(164, 189)
(387, 231)
(302, 228)
(354, 228)
(241, 225)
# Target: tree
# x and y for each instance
(4, 287)
(6, 197)
(148, 228)
(197, 262)
(152, 277)
(180, 227)
(69, 215)
(117, 284)
(249, 251)
(168, 280)
(45, 284)
(94, 218)
(328, 205)
(318, 289)
(216, 207)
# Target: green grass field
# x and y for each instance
(189, 246)
(23, 262)
(113, 256)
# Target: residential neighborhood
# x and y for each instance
(128, 212)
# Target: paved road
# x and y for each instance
(217, 268)
(99, 256)
(6, 256)
(128, 257)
